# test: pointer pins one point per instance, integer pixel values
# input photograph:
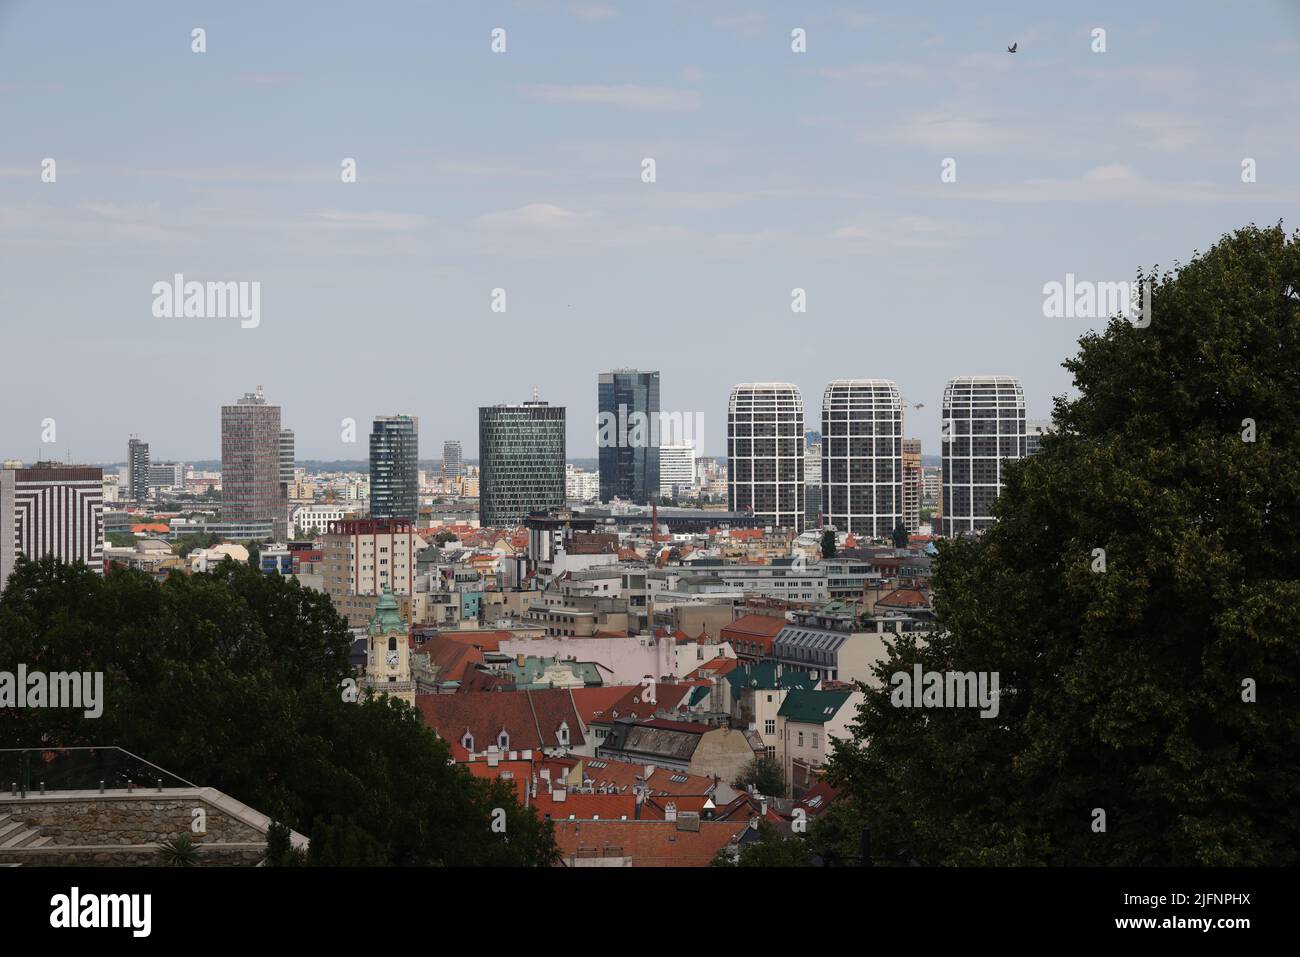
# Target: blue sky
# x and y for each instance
(522, 170)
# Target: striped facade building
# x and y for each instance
(51, 510)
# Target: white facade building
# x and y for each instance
(862, 456)
(765, 452)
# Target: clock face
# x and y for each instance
(392, 657)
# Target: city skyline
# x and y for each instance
(775, 170)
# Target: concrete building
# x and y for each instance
(862, 456)
(765, 452)
(251, 489)
(913, 484)
(983, 427)
(360, 558)
(676, 469)
(287, 452)
(137, 470)
(453, 466)
(51, 510)
(808, 725)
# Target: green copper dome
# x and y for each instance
(387, 619)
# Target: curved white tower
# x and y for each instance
(765, 447)
(983, 426)
(862, 456)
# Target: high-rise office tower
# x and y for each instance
(862, 456)
(521, 461)
(983, 426)
(286, 456)
(251, 490)
(765, 452)
(395, 467)
(137, 469)
(812, 478)
(913, 484)
(1035, 429)
(676, 468)
(51, 510)
(628, 436)
(453, 465)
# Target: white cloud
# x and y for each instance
(592, 11)
(376, 220)
(627, 96)
(532, 216)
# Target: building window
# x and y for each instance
(503, 741)
(816, 741)
(769, 726)
(467, 742)
(801, 739)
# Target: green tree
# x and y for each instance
(1139, 598)
(772, 849)
(899, 536)
(764, 773)
(188, 543)
(233, 680)
(828, 544)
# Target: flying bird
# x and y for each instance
(1012, 48)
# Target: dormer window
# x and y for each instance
(503, 740)
(467, 742)
(563, 734)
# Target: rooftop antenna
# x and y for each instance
(536, 394)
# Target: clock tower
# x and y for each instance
(388, 653)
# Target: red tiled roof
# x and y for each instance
(905, 598)
(452, 659)
(647, 843)
(585, 806)
(751, 630)
(596, 702)
(714, 669)
(620, 774)
(531, 719)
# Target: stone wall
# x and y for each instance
(125, 828)
(140, 818)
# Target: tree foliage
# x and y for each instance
(1122, 690)
(764, 773)
(828, 544)
(232, 679)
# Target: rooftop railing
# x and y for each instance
(32, 771)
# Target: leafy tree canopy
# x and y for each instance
(233, 679)
(1156, 680)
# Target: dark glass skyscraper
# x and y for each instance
(521, 461)
(137, 470)
(628, 435)
(395, 467)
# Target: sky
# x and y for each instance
(522, 170)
